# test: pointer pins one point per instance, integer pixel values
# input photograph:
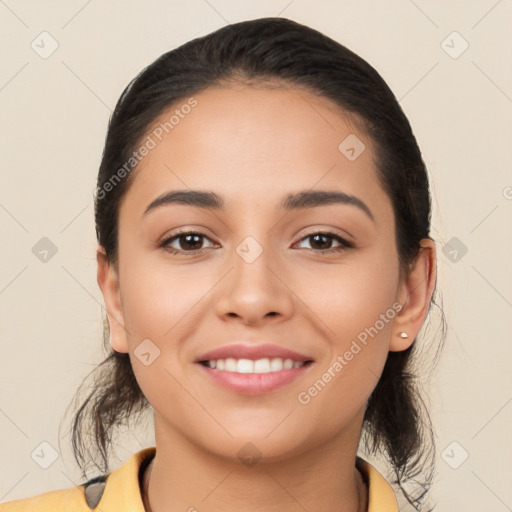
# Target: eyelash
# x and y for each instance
(345, 244)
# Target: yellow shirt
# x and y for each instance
(120, 492)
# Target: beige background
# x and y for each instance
(54, 116)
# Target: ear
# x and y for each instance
(415, 292)
(108, 281)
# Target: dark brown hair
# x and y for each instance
(396, 422)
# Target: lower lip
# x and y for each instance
(254, 383)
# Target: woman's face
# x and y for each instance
(255, 274)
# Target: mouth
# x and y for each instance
(252, 369)
(264, 365)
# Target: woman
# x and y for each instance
(263, 218)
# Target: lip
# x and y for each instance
(253, 352)
(253, 383)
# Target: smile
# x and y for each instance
(265, 365)
(253, 377)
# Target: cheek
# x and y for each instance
(160, 307)
(359, 315)
(352, 298)
(358, 305)
(159, 299)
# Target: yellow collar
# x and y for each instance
(122, 490)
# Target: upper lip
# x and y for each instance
(254, 352)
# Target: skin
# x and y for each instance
(253, 146)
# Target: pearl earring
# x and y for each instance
(403, 335)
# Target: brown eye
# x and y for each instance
(321, 242)
(184, 242)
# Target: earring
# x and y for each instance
(403, 335)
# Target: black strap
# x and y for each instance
(95, 486)
(94, 490)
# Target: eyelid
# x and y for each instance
(332, 231)
(168, 239)
(345, 243)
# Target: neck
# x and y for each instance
(182, 477)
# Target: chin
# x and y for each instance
(249, 451)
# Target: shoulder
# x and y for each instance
(118, 490)
(76, 499)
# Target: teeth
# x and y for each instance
(265, 365)
(230, 364)
(276, 365)
(262, 366)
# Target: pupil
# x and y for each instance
(315, 237)
(188, 237)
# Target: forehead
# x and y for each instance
(255, 145)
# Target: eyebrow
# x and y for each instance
(295, 201)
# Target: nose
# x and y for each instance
(256, 289)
